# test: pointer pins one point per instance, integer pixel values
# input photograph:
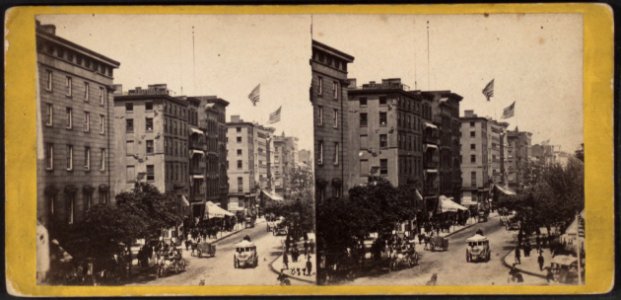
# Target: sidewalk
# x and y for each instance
(457, 228)
(277, 264)
(529, 265)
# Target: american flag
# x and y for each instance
(255, 95)
(488, 91)
(275, 116)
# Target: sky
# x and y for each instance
(534, 59)
(232, 54)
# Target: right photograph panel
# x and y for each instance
(448, 149)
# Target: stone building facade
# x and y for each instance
(74, 165)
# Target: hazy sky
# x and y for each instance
(233, 53)
(535, 59)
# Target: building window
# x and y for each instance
(473, 133)
(383, 118)
(240, 164)
(69, 118)
(131, 173)
(363, 120)
(473, 179)
(473, 158)
(102, 94)
(382, 100)
(88, 200)
(129, 107)
(320, 86)
(148, 106)
(69, 157)
(87, 121)
(102, 159)
(102, 124)
(473, 146)
(335, 90)
(471, 123)
(238, 129)
(240, 184)
(70, 208)
(149, 124)
(363, 101)
(384, 166)
(150, 172)
(336, 153)
(49, 85)
(51, 200)
(239, 139)
(129, 125)
(87, 92)
(87, 158)
(320, 153)
(49, 114)
(69, 86)
(319, 115)
(383, 141)
(129, 147)
(335, 118)
(239, 152)
(149, 145)
(49, 156)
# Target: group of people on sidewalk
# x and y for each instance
(292, 250)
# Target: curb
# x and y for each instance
(271, 265)
(460, 229)
(506, 264)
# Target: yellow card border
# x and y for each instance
(20, 141)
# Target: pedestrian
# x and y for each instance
(540, 261)
(309, 266)
(517, 255)
(549, 275)
(538, 242)
(285, 260)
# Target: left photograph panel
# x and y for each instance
(174, 150)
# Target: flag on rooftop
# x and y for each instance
(509, 111)
(488, 91)
(275, 116)
(255, 95)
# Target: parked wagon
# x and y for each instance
(438, 243)
(205, 249)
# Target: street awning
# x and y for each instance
(197, 152)
(273, 196)
(427, 124)
(446, 204)
(432, 146)
(214, 211)
(506, 190)
(196, 130)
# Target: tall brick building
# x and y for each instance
(328, 94)
(445, 115)
(74, 169)
(384, 127)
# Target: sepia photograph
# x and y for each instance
(171, 153)
(463, 149)
(309, 150)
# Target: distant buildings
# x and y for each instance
(475, 150)
(152, 139)
(517, 159)
(304, 156)
(250, 147)
(75, 168)
(328, 95)
(384, 127)
(285, 151)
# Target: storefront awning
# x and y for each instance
(193, 151)
(214, 211)
(427, 124)
(446, 204)
(196, 130)
(506, 190)
(430, 146)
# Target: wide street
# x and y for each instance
(219, 270)
(451, 266)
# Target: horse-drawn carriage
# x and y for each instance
(438, 243)
(404, 257)
(204, 248)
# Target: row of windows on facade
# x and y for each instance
(175, 171)
(74, 58)
(335, 88)
(69, 87)
(211, 188)
(335, 117)
(69, 124)
(402, 104)
(211, 164)
(172, 147)
(335, 157)
(69, 158)
(330, 61)
(70, 201)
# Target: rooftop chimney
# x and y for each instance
(469, 113)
